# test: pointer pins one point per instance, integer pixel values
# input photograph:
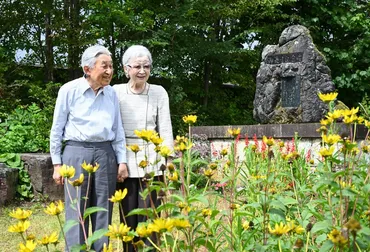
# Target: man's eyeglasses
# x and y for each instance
(138, 67)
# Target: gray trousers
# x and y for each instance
(102, 187)
(134, 200)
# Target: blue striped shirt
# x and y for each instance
(82, 116)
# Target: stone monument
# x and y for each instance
(289, 78)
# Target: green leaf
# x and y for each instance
(366, 188)
(96, 235)
(165, 206)
(288, 200)
(365, 231)
(142, 211)
(91, 210)
(326, 246)
(322, 225)
(199, 198)
(69, 224)
(78, 248)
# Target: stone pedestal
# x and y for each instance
(8, 184)
(40, 169)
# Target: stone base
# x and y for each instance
(40, 169)
(8, 184)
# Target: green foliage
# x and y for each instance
(24, 187)
(26, 129)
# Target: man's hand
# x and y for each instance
(122, 173)
(56, 175)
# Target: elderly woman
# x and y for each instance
(87, 118)
(143, 106)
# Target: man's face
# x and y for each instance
(101, 74)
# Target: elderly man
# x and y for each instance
(88, 119)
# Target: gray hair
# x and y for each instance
(90, 54)
(136, 51)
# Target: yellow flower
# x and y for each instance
(234, 206)
(109, 248)
(234, 132)
(206, 212)
(279, 229)
(29, 247)
(181, 204)
(117, 232)
(245, 225)
(31, 237)
(161, 225)
(367, 124)
(325, 122)
(20, 214)
(89, 168)
(353, 225)
(181, 223)
(127, 238)
(328, 97)
(350, 119)
(223, 152)
(171, 167)
(20, 227)
(134, 148)
(212, 166)
(55, 209)
(336, 114)
(67, 171)
(183, 145)
(77, 182)
(146, 135)
(268, 141)
(331, 139)
(209, 173)
(190, 119)
(165, 151)
(156, 140)
(143, 231)
(143, 164)
(52, 239)
(337, 238)
(327, 152)
(349, 112)
(173, 177)
(139, 245)
(299, 229)
(118, 196)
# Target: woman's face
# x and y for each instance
(138, 70)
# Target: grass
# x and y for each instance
(41, 224)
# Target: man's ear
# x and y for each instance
(87, 70)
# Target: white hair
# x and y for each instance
(90, 54)
(136, 51)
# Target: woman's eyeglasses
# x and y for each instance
(139, 67)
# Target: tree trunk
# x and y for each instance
(207, 71)
(72, 14)
(49, 54)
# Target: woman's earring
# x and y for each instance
(126, 75)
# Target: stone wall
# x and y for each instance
(8, 184)
(218, 138)
(40, 169)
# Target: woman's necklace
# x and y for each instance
(139, 92)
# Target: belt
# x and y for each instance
(89, 144)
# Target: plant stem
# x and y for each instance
(154, 245)
(308, 238)
(61, 228)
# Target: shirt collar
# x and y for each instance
(86, 86)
